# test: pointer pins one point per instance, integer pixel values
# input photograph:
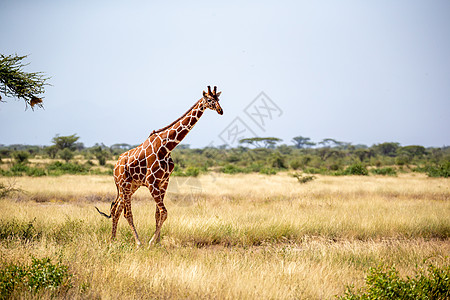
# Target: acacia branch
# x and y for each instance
(19, 84)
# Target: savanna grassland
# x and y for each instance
(246, 236)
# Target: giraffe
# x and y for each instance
(150, 165)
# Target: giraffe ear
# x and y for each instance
(204, 94)
(218, 94)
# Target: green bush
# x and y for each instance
(356, 169)
(388, 171)
(268, 171)
(41, 274)
(314, 171)
(385, 283)
(59, 168)
(192, 171)
(442, 170)
(232, 169)
(295, 164)
(22, 169)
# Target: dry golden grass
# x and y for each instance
(240, 236)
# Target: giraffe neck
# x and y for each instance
(173, 134)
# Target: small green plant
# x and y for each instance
(303, 178)
(41, 274)
(386, 283)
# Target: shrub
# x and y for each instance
(303, 179)
(295, 164)
(41, 274)
(66, 154)
(268, 171)
(59, 168)
(277, 161)
(442, 170)
(232, 169)
(383, 283)
(35, 172)
(384, 171)
(315, 171)
(21, 157)
(192, 171)
(356, 169)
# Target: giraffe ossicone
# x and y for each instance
(150, 165)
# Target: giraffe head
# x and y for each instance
(211, 100)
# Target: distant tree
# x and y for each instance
(62, 142)
(16, 83)
(21, 156)
(122, 146)
(101, 155)
(258, 142)
(329, 142)
(184, 146)
(285, 149)
(334, 143)
(387, 149)
(302, 142)
(363, 154)
(78, 146)
(412, 150)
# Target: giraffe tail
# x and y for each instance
(102, 213)
(113, 207)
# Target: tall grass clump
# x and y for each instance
(17, 229)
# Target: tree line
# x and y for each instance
(265, 155)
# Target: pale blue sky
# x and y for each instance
(357, 71)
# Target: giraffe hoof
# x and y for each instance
(154, 241)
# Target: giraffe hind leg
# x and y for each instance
(129, 216)
(160, 214)
(115, 215)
